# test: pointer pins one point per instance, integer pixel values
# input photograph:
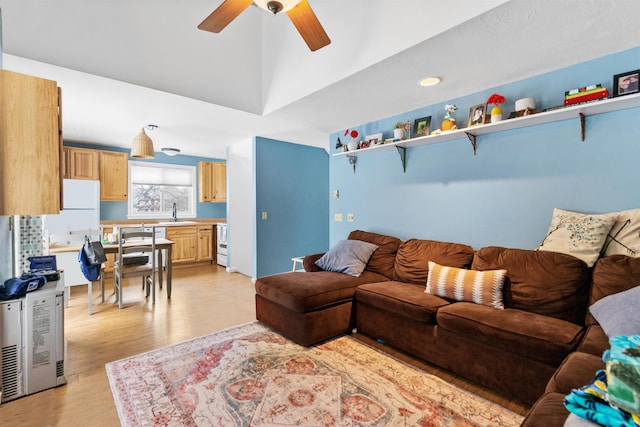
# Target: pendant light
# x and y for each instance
(142, 147)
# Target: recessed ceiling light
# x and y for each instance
(429, 81)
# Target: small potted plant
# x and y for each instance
(398, 132)
(449, 122)
(496, 112)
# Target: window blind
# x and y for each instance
(161, 175)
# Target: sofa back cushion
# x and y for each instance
(412, 261)
(383, 258)
(549, 283)
(611, 275)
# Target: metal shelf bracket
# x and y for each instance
(472, 139)
(403, 157)
(582, 120)
(352, 161)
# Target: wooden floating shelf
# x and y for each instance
(578, 111)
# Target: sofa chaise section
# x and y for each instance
(315, 305)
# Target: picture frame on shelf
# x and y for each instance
(374, 139)
(477, 115)
(626, 83)
(421, 127)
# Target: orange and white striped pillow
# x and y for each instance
(480, 287)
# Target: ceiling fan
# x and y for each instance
(299, 11)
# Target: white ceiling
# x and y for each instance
(123, 64)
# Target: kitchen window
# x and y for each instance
(155, 187)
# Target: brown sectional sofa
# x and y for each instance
(516, 350)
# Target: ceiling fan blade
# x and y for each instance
(224, 14)
(308, 26)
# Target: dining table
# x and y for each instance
(113, 248)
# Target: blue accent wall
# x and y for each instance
(292, 187)
(118, 210)
(505, 194)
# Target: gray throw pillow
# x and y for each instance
(618, 314)
(347, 256)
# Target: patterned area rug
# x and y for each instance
(251, 376)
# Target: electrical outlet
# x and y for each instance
(337, 217)
(336, 194)
(350, 217)
(264, 215)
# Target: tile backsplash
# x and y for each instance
(30, 240)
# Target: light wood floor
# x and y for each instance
(204, 299)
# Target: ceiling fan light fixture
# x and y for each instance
(277, 6)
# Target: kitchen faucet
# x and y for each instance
(175, 212)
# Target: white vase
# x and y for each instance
(398, 133)
(352, 145)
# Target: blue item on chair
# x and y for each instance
(91, 271)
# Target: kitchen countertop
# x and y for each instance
(163, 223)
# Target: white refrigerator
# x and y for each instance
(81, 211)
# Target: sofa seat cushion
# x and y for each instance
(412, 261)
(542, 338)
(304, 291)
(402, 299)
(548, 283)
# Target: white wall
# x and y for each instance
(5, 234)
(0, 38)
(240, 208)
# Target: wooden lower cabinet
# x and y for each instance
(191, 243)
(205, 243)
(185, 245)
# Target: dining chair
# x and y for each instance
(135, 241)
(76, 237)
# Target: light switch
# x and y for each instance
(264, 215)
(336, 194)
(350, 217)
(337, 217)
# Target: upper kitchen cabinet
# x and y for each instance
(212, 182)
(219, 182)
(30, 145)
(114, 176)
(81, 163)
